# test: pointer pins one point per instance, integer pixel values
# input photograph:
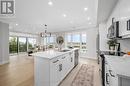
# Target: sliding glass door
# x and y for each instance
(31, 43)
(22, 44)
(13, 44)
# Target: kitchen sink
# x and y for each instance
(64, 50)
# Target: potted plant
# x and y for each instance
(112, 43)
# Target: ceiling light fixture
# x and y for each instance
(45, 33)
(89, 23)
(64, 15)
(88, 18)
(16, 24)
(85, 9)
(71, 22)
(50, 3)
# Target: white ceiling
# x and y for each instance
(32, 14)
(105, 8)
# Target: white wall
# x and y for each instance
(91, 43)
(103, 37)
(91, 34)
(4, 43)
(121, 12)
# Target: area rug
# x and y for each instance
(85, 76)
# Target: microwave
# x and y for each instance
(113, 30)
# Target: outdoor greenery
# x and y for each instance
(19, 44)
(13, 46)
(22, 47)
(112, 42)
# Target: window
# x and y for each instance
(31, 43)
(49, 41)
(69, 38)
(22, 44)
(13, 44)
(52, 39)
(83, 43)
(76, 40)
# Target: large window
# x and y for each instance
(68, 38)
(22, 44)
(13, 44)
(19, 44)
(83, 43)
(76, 40)
(50, 41)
(31, 43)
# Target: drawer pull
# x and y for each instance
(55, 61)
(107, 79)
(63, 57)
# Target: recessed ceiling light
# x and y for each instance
(16, 24)
(64, 15)
(71, 22)
(89, 23)
(88, 18)
(50, 3)
(85, 9)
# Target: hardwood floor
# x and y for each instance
(20, 72)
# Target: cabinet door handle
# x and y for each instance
(55, 61)
(107, 81)
(127, 25)
(110, 71)
(63, 57)
(60, 67)
(71, 59)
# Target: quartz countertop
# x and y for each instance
(119, 64)
(50, 54)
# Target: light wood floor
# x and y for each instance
(20, 72)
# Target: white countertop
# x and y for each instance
(119, 64)
(50, 54)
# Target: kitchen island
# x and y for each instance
(51, 66)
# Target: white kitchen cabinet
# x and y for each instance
(64, 66)
(117, 69)
(124, 81)
(71, 60)
(55, 71)
(51, 67)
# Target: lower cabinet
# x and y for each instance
(113, 79)
(59, 68)
(55, 70)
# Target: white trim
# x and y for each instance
(4, 62)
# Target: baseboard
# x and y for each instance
(4, 62)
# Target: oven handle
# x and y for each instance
(110, 71)
(107, 81)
